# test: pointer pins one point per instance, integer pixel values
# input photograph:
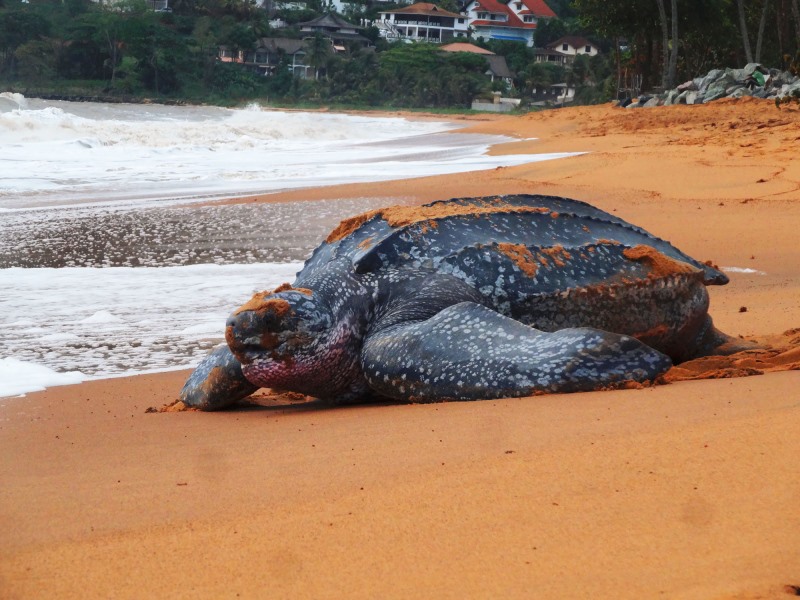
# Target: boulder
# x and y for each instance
(713, 75)
(716, 90)
(788, 90)
(751, 68)
(753, 80)
(738, 74)
(671, 98)
(740, 92)
(729, 91)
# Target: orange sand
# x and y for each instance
(687, 490)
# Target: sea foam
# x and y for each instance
(61, 153)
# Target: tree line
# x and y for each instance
(127, 49)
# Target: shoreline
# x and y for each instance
(686, 490)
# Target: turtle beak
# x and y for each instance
(252, 330)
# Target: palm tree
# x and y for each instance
(319, 50)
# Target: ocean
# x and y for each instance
(105, 267)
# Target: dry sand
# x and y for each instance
(686, 490)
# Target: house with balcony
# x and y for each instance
(339, 31)
(268, 53)
(514, 21)
(423, 22)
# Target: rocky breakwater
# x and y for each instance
(753, 80)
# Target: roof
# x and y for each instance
(498, 66)
(423, 8)
(331, 20)
(539, 8)
(493, 6)
(464, 47)
(288, 45)
(575, 41)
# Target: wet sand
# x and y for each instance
(686, 490)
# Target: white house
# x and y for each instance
(422, 21)
(515, 21)
(573, 45)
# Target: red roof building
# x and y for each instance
(515, 21)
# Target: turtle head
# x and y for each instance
(285, 339)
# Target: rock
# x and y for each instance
(789, 90)
(738, 74)
(751, 68)
(713, 75)
(753, 80)
(740, 92)
(732, 88)
(671, 98)
(717, 89)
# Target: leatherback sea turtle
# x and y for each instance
(469, 298)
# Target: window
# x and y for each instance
(528, 18)
(588, 49)
(482, 15)
(519, 5)
(565, 47)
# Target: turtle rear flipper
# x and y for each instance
(217, 382)
(469, 352)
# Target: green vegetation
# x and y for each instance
(128, 51)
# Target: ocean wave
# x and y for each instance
(12, 101)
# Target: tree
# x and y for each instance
(662, 18)
(673, 58)
(320, 50)
(796, 17)
(743, 28)
(762, 23)
(36, 60)
(238, 37)
(17, 27)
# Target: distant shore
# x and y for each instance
(686, 490)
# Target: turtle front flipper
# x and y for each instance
(217, 382)
(469, 352)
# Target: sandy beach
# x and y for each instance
(685, 490)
